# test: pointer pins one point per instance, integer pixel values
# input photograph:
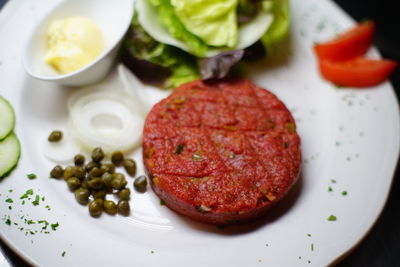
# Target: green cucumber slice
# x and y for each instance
(7, 118)
(10, 150)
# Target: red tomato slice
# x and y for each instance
(357, 72)
(350, 44)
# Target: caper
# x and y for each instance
(57, 172)
(117, 158)
(79, 160)
(110, 207)
(118, 175)
(73, 183)
(130, 166)
(95, 172)
(69, 172)
(55, 136)
(123, 207)
(96, 207)
(107, 178)
(84, 184)
(140, 183)
(124, 194)
(99, 193)
(97, 154)
(91, 165)
(108, 167)
(80, 172)
(118, 182)
(82, 195)
(96, 183)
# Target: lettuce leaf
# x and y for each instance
(154, 62)
(213, 21)
(175, 27)
(280, 26)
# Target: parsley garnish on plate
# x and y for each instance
(332, 218)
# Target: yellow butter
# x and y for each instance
(73, 43)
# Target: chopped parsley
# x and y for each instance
(312, 247)
(54, 226)
(8, 221)
(330, 189)
(162, 202)
(309, 235)
(179, 149)
(344, 193)
(31, 176)
(332, 218)
(63, 254)
(36, 201)
(27, 193)
(333, 181)
(9, 200)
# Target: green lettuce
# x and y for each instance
(213, 21)
(155, 62)
(280, 26)
(175, 27)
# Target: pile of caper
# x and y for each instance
(93, 181)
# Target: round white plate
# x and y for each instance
(350, 143)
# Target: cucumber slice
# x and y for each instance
(7, 118)
(10, 150)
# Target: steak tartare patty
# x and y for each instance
(221, 152)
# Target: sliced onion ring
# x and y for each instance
(100, 118)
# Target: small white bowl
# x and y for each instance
(112, 17)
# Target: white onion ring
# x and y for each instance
(103, 119)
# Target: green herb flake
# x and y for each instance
(63, 254)
(54, 226)
(344, 193)
(332, 218)
(309, 235)
(312, 247)
(286, 144)
(333, 181)
(162, 202)
(29, 221)
(31, 176)
(179, 149)
(47, 207)
(330, 189)
(36, 201)
(27, 193)
(8, 221)
(9, 200)
(10, 190)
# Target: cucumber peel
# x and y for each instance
(7, 118)
(10, 151)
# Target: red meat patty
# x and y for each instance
(221, 152)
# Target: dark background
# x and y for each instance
(381, 247)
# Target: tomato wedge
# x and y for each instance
(350, 44)
(357, 72)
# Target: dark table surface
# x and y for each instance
(381, 247)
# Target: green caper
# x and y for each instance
(80, 172)
(117, 158)
(91, 165)
(99, 193)
(95, 172)
(140, 183)
(107, 178)
(55, 136)
(84, 184)
(96, 207)
(130, 166)
(97, 154)
(96, 183)
(123, 207)
(124, 194)
(69, 172)
(57, 172)
(73, 183)
(108, 167)
(82, 195)
(118, 182)
(110, 207)
(79, 160)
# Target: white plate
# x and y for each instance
(350, 136)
